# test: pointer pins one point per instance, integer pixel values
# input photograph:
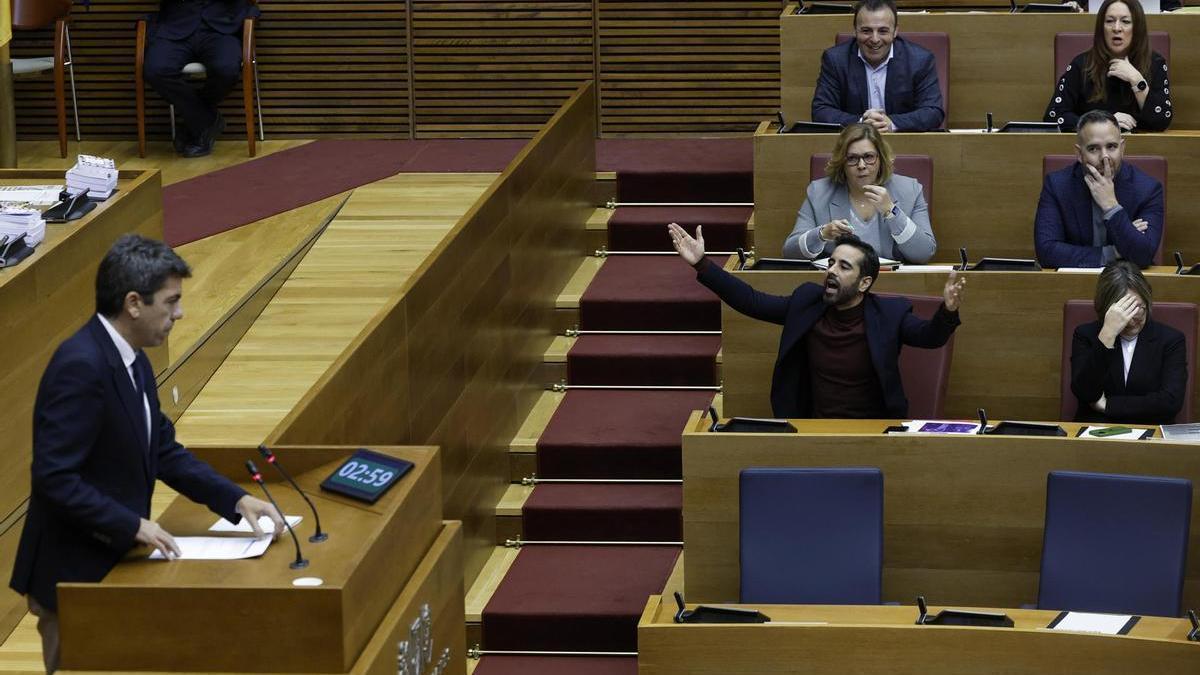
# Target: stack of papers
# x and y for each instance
(217, 548)
(18, 220)
(1181, 432)
(942, 427)
(97, 175)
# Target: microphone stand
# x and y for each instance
(270, 457)
(255, 476)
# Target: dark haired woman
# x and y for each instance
(1119, 74)
(1126, 367)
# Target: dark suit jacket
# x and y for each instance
(1062, 229)
(890, 325)
(1157, 381)
(178, 19)
(93, 472)
(912, 98)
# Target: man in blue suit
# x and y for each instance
(839, 353)
(1098, 210)
(878, 78)
(196, 31)
(100, 440)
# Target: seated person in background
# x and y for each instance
(860, 195)
(878, 78)
(207, 32)
(1119, 74)
(840, 347)
(1098, 210)
(1125, 367)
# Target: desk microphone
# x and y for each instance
(255, 476)
(274, 461)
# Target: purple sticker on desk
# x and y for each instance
(947, 428)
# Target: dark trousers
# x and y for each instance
(47, 627)
(222, 57)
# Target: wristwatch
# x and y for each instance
(894, 212)
(1141, 85)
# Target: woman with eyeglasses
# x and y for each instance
(860, 195)
(1120, 74)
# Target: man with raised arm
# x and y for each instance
(840, 347)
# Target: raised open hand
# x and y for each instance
(690, 248)
(953, 292)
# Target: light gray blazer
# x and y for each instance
(907, 237)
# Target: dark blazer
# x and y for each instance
(93, 472)
(1073, 92)
(890, 325)
(912, 98)
(1157, 381)
(178, 19)
(1062, 229)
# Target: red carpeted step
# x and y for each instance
(575, 598)
(644, 228)
(675, 154)
(557, 665)
(662, 360)
(617, 434)
(648, 293)
(603, 512)
(685, 186)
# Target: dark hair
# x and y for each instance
(1096, 117)
(870, 261)
(1099, 55)
(135, 263)
(874, 6)
(1117, 279)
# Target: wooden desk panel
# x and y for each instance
(172, 614)
(43, 300)
(1000, 63)
(963, 516)
(985, 187)
(885, 640)
(1007, 352)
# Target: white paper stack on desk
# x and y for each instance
(97, 175)
(16, 220)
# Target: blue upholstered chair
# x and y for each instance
(812, 536)
(1115, 543)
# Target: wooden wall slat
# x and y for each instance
(669, 67)
(325, 68)
(497, 68)
(478, 68)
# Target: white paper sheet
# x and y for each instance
(924, 268)
(267, 525)
(1081, 270)
(33, 194)
(1086, 622)
(1132, 434)
(218, 548)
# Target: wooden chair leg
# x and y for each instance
(248, 56)
(139, 87)
(60, 99)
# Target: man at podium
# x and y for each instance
(100, 440)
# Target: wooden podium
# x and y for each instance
(391, 585)
(887, 641)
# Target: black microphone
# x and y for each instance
(272, 460)
(255, 476)
(1178, 262)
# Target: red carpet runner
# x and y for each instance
(564, 597)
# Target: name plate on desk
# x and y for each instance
(366, 475)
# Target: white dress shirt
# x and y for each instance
(1128, 345)
(128, 356)
(877, 80)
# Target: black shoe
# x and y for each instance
(204, 141)
(183, 139)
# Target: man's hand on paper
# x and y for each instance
(252, 509)
(152, 534)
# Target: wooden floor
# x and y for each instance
(382, 234)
